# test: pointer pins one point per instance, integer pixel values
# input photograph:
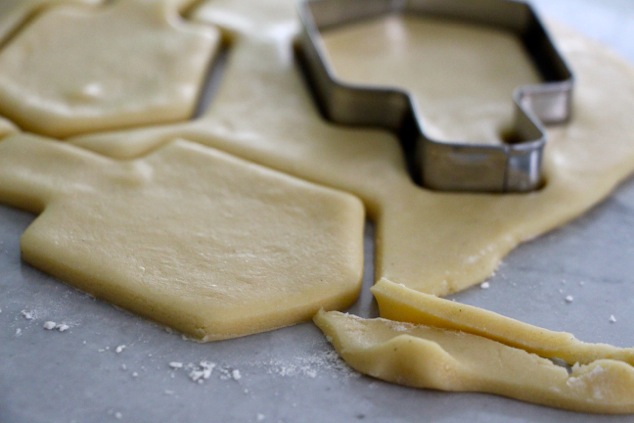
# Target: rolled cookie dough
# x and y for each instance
(399, 303)
(81, 70)
(426, 357)
(190, 237)
(417, 229)
(14, 13)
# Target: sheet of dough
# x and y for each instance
(426, 357)
(191, 237)
(82, 70)
(280, 127)
(399, 303)
(417, 230)
(452, 69)
(14, 13)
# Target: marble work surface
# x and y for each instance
(113, 366)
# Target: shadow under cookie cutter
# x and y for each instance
(445, 166)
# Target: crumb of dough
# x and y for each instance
(49, 325)
(201, 372)
(28, 314)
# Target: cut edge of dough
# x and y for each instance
(399, 303)
(406, 357)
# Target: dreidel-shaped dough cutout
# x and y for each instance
(193, 238)
(79, 70)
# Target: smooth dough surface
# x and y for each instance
(452, 69)
(416, 228)
(191, 237)
(76, 69)
(426, 357)
(432, 242)
(14, 13)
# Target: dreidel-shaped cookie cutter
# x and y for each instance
(445, 166)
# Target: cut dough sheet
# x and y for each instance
(14, 13)
(399, 303)
(436, 243)
(458, 90)
(77, 69)
(426, 357)
(433, 242)
(208, 244)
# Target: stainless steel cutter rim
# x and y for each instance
(441, 165)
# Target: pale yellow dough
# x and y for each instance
(397, 302)
(432, 242)
(263, 111)
(14, 13)
(76, 70)
(426, 357)
(453, 71)
(193, 238)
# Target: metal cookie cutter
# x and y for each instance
(510, 167)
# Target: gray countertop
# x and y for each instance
(113, 366)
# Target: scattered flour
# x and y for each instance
(227, 373)
(485, 285)
(201, 372)
(612, 318)
(588, 380)
(310, 366)
(569, 299)
(28, 314)
(49, 325)
(120, 349)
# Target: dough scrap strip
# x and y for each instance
(514, 166)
